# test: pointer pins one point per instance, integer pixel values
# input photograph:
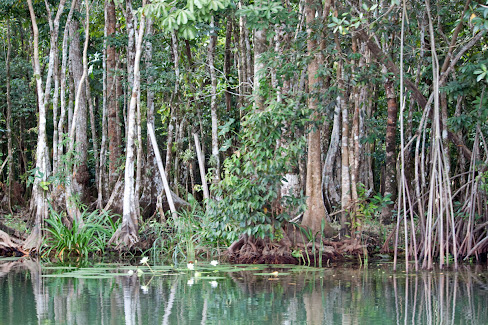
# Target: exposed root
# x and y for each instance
(125, 237)
(9, 248)
(292, 249)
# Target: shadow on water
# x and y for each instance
(116, 294)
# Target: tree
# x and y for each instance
(315, 215)
(126, 235)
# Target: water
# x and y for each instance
(108, 294)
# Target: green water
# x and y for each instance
(113, 294)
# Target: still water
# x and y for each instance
(31, 293)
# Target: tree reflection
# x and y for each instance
(311, 296)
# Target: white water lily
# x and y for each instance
(190, 266)
(191, 282)
(214, 263)
(214, 284)
(144, 289)
(144, 260)
(130, 272)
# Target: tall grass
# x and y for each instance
(184, 238)
(81, 239)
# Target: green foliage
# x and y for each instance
(253, 175)
(81, 239)
(368, 209)
(184, 16)
(260, 14)
(183, 238)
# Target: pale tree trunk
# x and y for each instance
(53, 70)
(53, 51)
(213, 102)
(259, 67)
(101, 180)
(328, 171)
(390, 145)
(80, 176)
(55, 116)
(39, 204)
(140, 159)
(174, 102)
(152, 181)
(71, 99)
(71, 187)
(63, 77)
(10, 176)
(113, 127)
(345, 172)
(126, 235)
(315, 217)
(248, 57)
(227, 62)
(131, 43)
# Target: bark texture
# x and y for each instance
(315, 215)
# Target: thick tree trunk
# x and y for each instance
(81, 177)
(62, 95)
(345, 170)
(39, 204)
(315, 216)
(113, 123)
(72, 190)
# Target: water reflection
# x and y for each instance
(302, 296)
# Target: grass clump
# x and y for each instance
(86, 237)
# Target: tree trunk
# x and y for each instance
(152, 180)
(390, 145)
(81, 176)
(93, 128)
(113, 126)
(126, 235)
(39, 204)
(315, 217)
(101, 180)
(10, 157)
(227, 62)
(82, 173)
(259, 67)
(213, 103)
(242, 61)
(345, 170)
(329, 168)
(174, 102)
